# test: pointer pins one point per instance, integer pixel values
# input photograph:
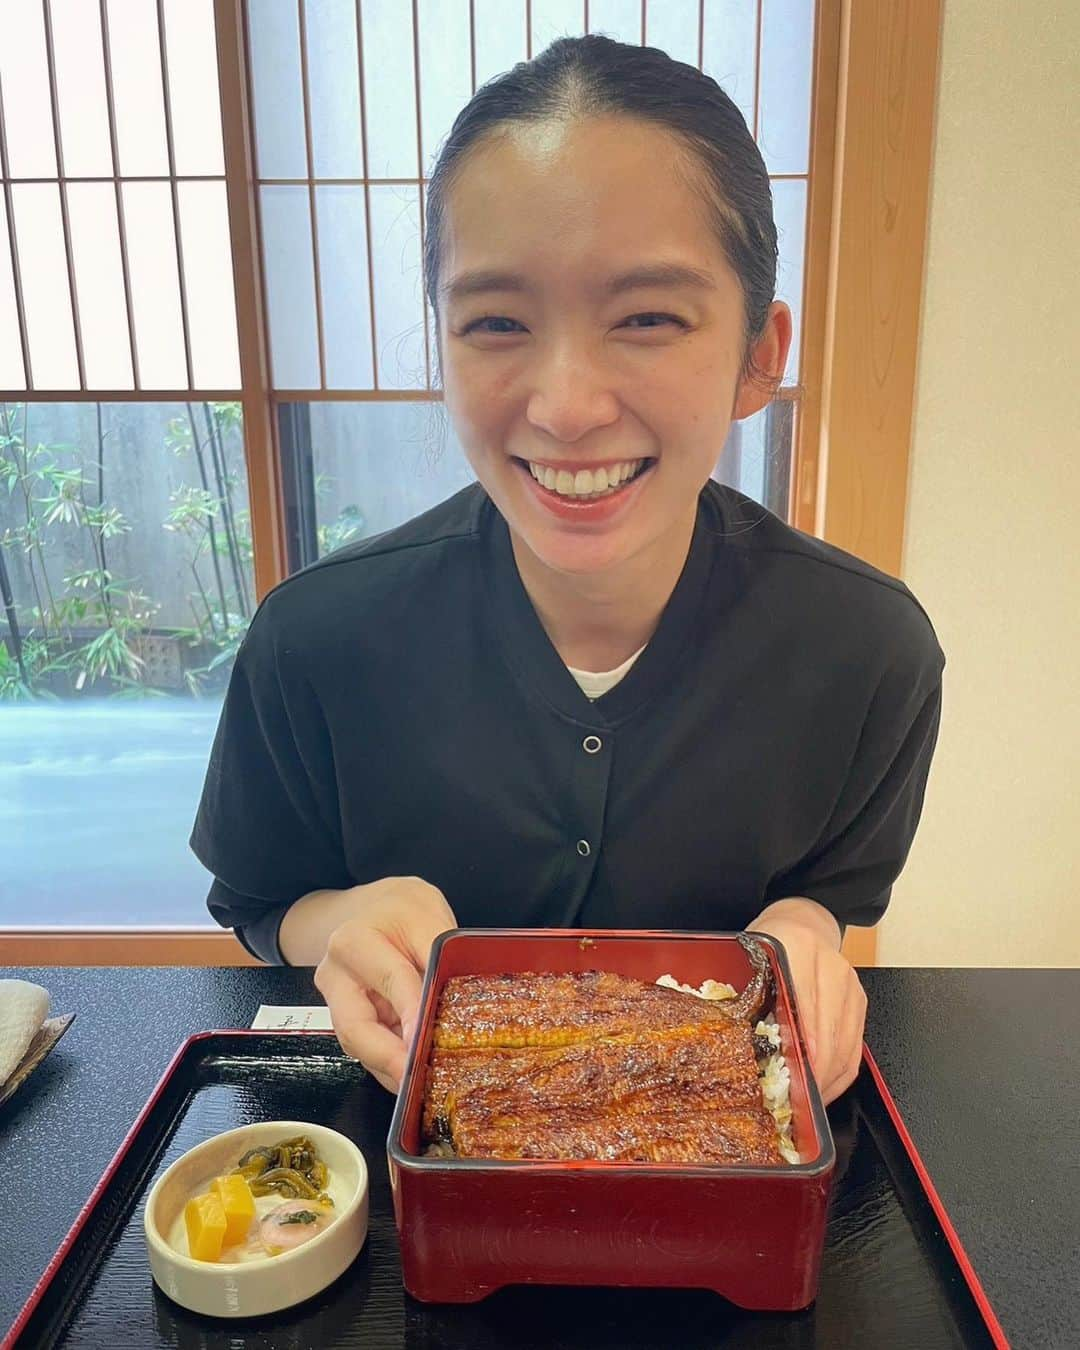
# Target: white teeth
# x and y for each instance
(585, 482)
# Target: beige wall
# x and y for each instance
(994, 509)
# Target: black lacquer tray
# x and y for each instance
(894, 1273)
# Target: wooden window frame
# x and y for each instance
(875, 79)
(109, 946)
(872, 158)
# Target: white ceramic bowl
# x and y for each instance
(269, 1283)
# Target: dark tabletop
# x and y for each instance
(984, 1065)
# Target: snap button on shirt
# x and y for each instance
(583, 847)
(591, 744)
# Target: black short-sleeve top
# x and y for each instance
(398, 710)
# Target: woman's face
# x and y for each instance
(591, 338)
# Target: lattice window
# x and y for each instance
(115, 263)
(351, 99)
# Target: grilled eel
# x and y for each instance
(597, 1066)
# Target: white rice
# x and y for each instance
(774, 1073)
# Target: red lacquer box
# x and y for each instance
(469, 1226)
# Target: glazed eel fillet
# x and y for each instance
(596, 1066)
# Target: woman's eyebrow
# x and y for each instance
(659, 274)
(637, 278)
(480, 282)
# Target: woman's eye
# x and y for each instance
(493, 323)
(651, 320)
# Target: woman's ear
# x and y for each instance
(765, 368)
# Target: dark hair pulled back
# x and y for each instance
(596, 76)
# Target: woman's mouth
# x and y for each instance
(582, 486)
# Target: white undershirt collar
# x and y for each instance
(595, 683)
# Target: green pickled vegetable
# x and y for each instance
(298, 1216)
(256, 1161)
(291, 1168)
(287, 1181)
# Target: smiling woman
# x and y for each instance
(558, 699)
(601, 326)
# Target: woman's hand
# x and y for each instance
(832, 1004)
(374, 963)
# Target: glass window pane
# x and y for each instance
(787, 45)
(390, 89)
(155, 285)
(500, 36)
(399, 315)
(758, 454)
(343, 269)
(46, 296)
(618, 19)
(789, 211)
(208, 283)
(334, 89)
(24, 81)
(99, 285)
(80, 89)
(143, 759)
(194, 100)
(164, 511)
(290, 286)
(277, 92)
(673, 27)
(553, 19)
(730, 50)
(377, 465)
(12, 374)
(445, 77)
(135, 58)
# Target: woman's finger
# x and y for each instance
(388, 1083)
(358, 1028)
(826, 1017)
(376, 963)
(384, 1012)
(845, 1075)
(376, 1047)
(803, 987)
(850, 1041)
(415, 934)
(848, 1056)
(415, 937)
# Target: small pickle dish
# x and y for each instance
(469, 1225)
(258, 1218)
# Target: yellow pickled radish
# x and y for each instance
(238, 1203)
(204, 1219)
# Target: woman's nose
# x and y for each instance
(570, 397)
